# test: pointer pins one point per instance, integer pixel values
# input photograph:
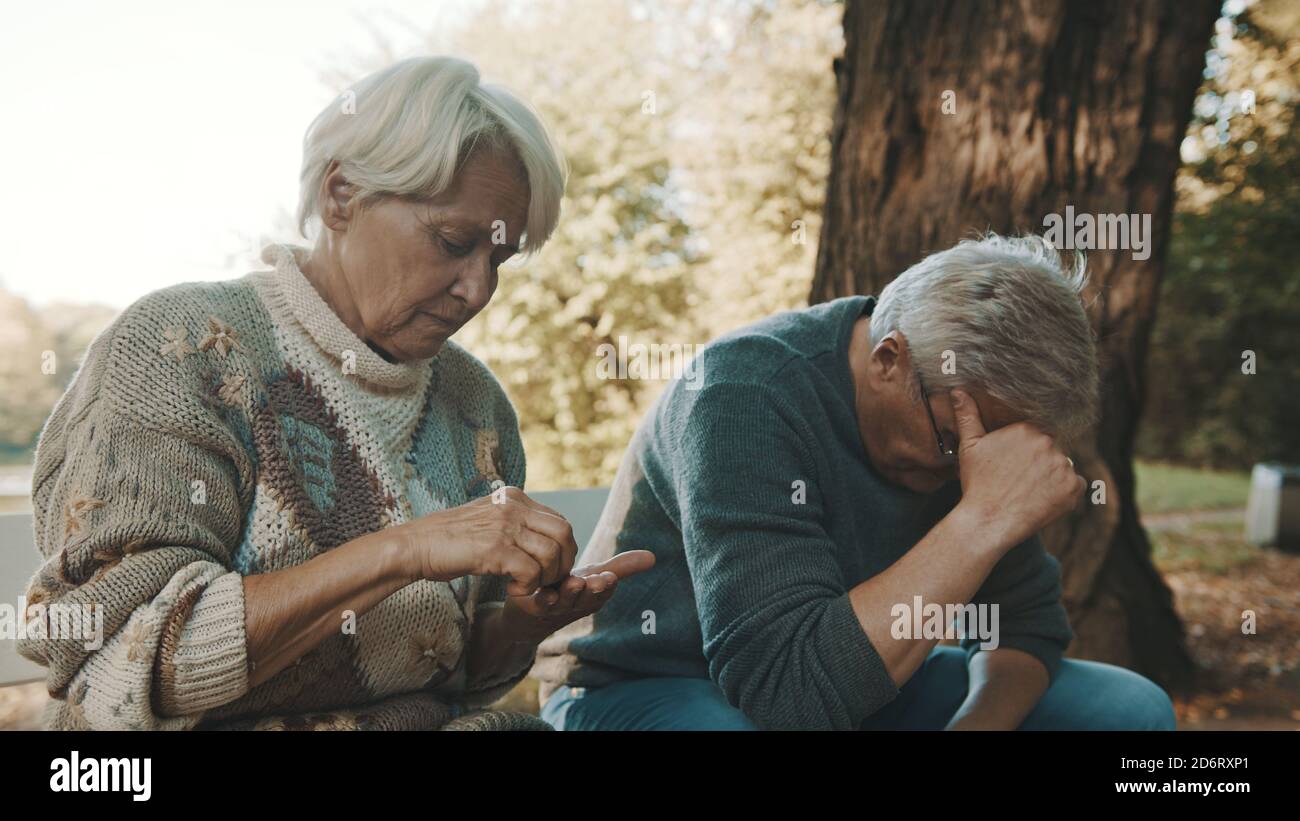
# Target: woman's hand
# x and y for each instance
(504, 534)
(532, 618)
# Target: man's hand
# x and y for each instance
(534, 617)
(1016, 479)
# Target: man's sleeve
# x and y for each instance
(780, 636)
(1026, 586)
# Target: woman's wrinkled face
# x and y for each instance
(416, 272)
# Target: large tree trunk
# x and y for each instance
(1056, 104)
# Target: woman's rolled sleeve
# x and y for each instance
(202, 659)
(176, 656)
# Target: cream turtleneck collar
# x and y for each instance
(325, 328)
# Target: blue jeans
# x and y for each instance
(1086, 695)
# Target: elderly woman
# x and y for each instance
(295, 500)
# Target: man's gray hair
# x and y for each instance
(406, 130)
(1003, 314)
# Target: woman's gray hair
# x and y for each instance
(1003, 314)
(405, 131)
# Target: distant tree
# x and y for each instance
(757, 153)
(42, 350)
(619, 263)
(697, 135)
(1232, 291)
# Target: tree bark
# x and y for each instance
(1052, 104)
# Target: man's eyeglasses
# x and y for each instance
(945, 450)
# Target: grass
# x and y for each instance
(1210, 547)
(1164, 488)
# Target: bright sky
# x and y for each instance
(149, 143)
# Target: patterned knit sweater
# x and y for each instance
(220, 430)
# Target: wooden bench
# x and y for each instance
(19, 561)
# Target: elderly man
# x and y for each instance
(832, 478)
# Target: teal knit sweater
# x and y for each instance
(751, 583)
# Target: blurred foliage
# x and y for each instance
(52, 338)
(1162, 488)
(697, 135)
(1233, 280)
(1214, 548)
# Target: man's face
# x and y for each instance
(910, 454)
(896, 430)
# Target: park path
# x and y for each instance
(1179, 519)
